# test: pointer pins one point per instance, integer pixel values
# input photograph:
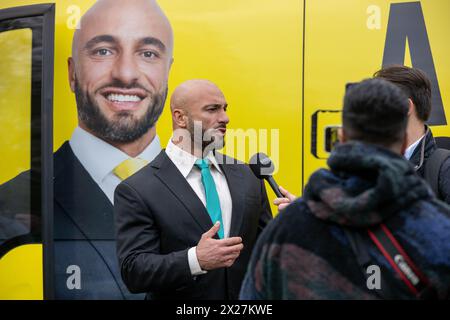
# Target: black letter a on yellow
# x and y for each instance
(406, 21)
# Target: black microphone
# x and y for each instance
(262, 168)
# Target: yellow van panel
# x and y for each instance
(21, 273)
(344, 42)
(252, 49)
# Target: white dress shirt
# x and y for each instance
(99, 158)
(185, 161)
(410, 150)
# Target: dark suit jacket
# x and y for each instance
(83, 230)
(444, 172)
(84, 233)
(159, 217)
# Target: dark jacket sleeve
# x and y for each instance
(254, 285)
(266, 212)
(444, 181)
(143, 267)
(251, 288)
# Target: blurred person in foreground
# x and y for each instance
(308, 251)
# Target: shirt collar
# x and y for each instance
(88, 147)
(185, 161)
(410, 150)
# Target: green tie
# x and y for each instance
(212, 197)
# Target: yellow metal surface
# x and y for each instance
(21, 273)
(344, 42)
(15, 102)
(253, 50)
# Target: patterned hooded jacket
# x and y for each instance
(304, 252)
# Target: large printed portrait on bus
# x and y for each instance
(115, 64)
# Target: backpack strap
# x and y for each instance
(360, 250)
(410, 275)
(417, 283)
(433, 167)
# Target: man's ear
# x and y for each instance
(72, 77)
(342, 135)
(411, 108)
(180, 118)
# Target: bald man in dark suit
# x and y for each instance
(187, 222)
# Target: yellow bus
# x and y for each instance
(282, 65)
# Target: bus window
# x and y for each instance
(26, 92)
(15, 135)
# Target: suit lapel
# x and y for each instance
(86, 206)
(81, 198)
(236, 186)
(178, 185)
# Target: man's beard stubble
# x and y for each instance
(125, 128)
(208, 141)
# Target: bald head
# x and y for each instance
(185, 95)
(199, 106)
(107, 17)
